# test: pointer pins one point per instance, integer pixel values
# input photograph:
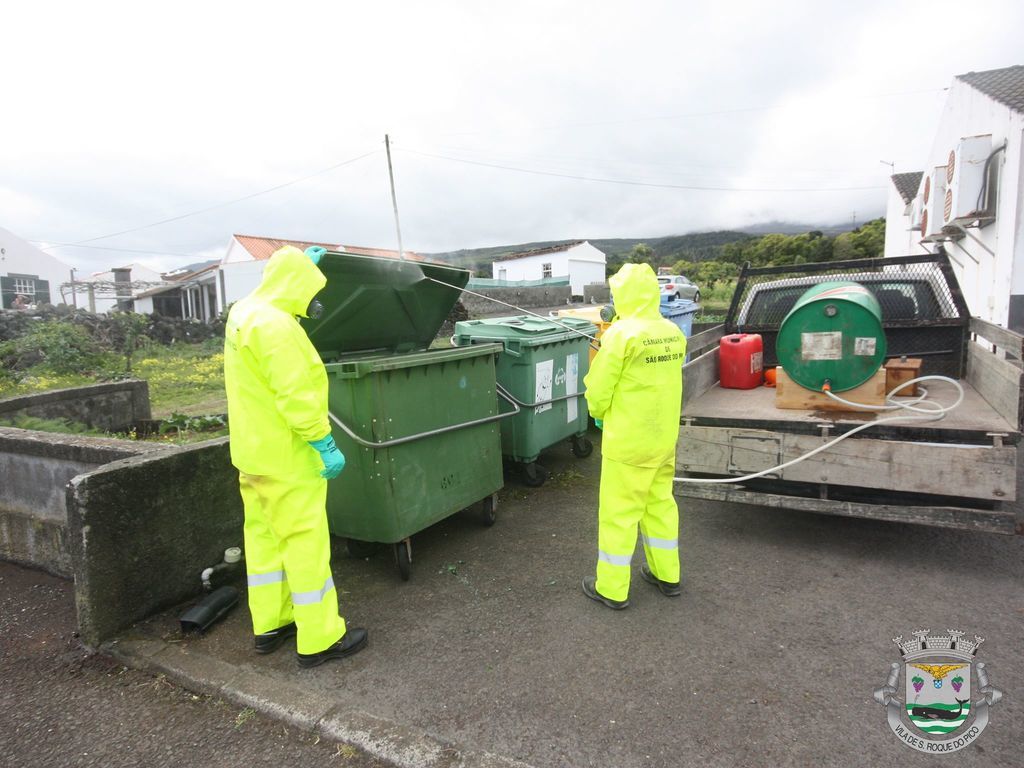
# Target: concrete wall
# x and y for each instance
(597, 293)
(541, 296)
(113, 407)
(36, 467)
(142, 529)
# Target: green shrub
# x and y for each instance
(54, 346)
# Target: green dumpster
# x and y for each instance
(540, 369)
(419, 428)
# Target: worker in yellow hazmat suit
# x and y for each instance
(634, 392)
(282, 446)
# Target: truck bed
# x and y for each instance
(959, 472)
(755, 408)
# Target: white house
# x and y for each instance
(241, 269)
(29, 272)
(579, 261)
(969, 197)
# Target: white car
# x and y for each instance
(678, 287)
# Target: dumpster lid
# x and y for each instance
(523, 328)
(373, 302)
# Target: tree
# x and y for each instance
(641, 253)
(865, 242)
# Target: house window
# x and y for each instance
(25, 286)
(545, 270)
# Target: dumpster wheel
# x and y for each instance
(535, 474)
(581, 447)
(488, 510)
(403, 558)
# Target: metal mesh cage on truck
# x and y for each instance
(923, 310)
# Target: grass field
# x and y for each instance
(185, 380)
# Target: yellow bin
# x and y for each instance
(593, 314)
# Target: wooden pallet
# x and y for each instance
(791, 396)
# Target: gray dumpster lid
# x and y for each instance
(373, 302)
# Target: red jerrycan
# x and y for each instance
(740, 361)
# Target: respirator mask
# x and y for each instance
(314, 310)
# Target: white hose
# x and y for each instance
(933, 414)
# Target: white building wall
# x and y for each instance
(583, 273)
(236, 253)
(987, 281)
(240, 279)
(532, 267)
(899, 239)
(20, 257)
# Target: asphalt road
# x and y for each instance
(60, 706)
(770, 657)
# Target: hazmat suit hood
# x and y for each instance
(635, 292)
(290, 281)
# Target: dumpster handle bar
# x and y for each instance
(429, 433)
(513, 399)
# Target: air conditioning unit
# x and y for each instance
(916, 211)
(933, 199)
(965, 178)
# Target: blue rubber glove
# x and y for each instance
(315, 253)
(599, 423)
(333, 459)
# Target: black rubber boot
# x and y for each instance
(667, 588)
(353, 641)
(590, 590)
(270, 641)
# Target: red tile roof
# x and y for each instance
(262, 248)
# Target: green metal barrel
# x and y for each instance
(833, 334)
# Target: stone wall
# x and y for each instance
(113, 407)
(142, 530)
(36, 467)
(540, 296)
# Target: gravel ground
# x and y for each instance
(62, 706)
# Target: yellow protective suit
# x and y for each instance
(277, 402)
(635, 385)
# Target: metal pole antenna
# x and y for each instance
(394, 199)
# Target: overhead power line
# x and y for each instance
(111, 248)
(635, 183)
(219, 205)
(597, 123)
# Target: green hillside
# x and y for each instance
(697, 246)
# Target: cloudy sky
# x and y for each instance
(510, 122)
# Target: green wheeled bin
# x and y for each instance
(419, 428)
(540, 370)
